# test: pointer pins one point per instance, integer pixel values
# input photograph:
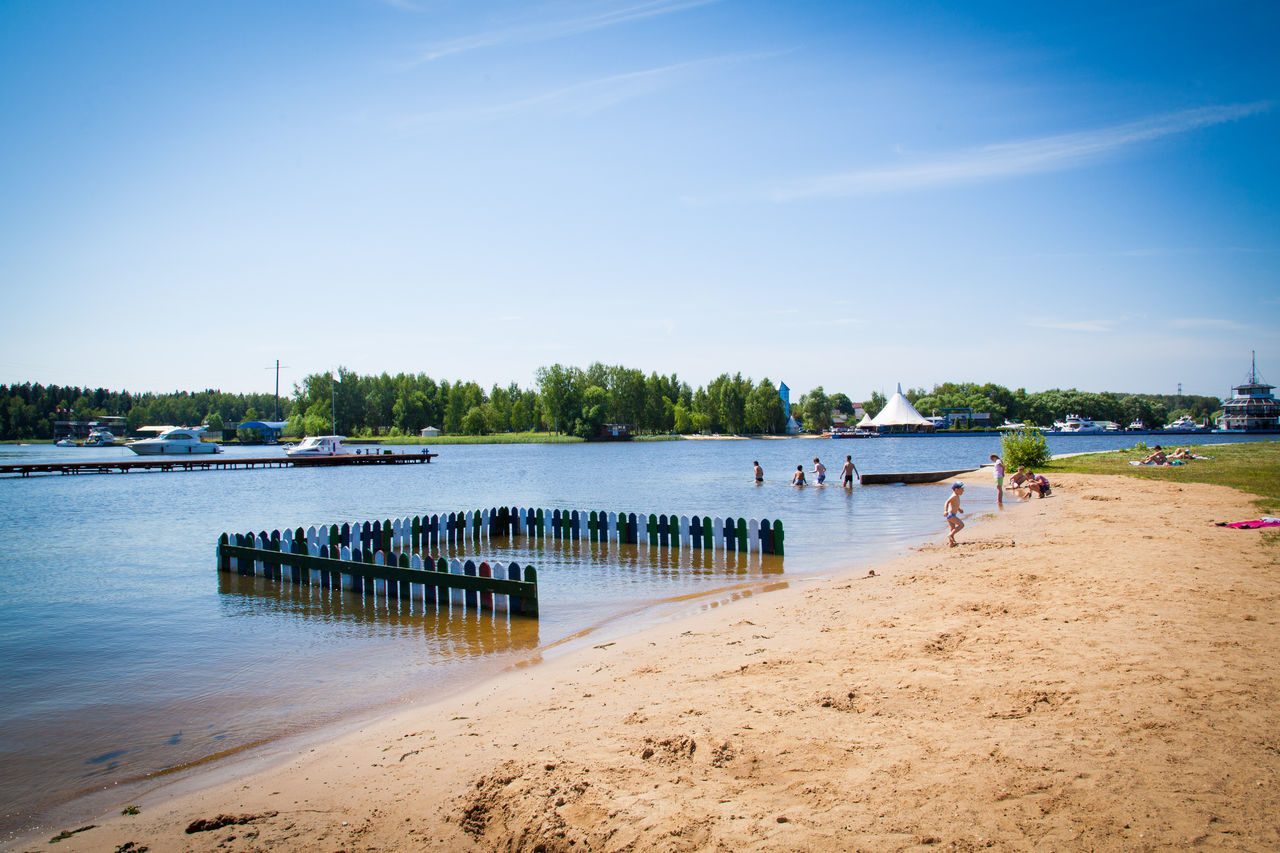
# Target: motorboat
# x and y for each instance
(1077, 425)
(65, 441)
(318, 445)
(100, 438)
(1136, 425)
(177, 441)
(1183, 424)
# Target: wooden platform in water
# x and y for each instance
(213, 462)
(911, 477)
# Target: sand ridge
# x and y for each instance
(1097, 670)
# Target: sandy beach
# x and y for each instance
(1097, 670)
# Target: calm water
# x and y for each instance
(126, 654)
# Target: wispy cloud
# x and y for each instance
(1208, 323)
(610, 16)
(1091, 326)
(588, 96)
(1011, 159)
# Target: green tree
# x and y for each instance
(875, 404)
(764, 414)
(595, 401)
(816, 410)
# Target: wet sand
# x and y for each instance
(1097, 670)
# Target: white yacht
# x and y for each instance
(319, 445)
(1081, 426)
(100, 438)
(65, 441)
(1183, 424)
(1136, 425)
(176, 441)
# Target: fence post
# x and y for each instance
(529, 604)
(486, 597)
(778, 538)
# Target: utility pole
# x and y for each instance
(277, 369)
(333, 403)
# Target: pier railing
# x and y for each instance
(292, 558)
(696, 532)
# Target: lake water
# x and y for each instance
(126, 655)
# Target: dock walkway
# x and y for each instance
(213, 462)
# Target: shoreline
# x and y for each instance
(1064, 678)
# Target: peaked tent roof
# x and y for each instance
(866, 421)
(899, 412)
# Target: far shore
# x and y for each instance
(1099, 670)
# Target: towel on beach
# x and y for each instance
(1265, 521)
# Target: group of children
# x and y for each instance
(847, 472)
(1025, 484)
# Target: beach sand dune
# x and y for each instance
(1097, 670)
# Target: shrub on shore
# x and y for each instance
(1024, 448)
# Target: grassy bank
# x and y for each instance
(1253, 468)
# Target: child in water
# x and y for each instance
(953, 511)
(797, 479)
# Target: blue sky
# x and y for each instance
(845, 194)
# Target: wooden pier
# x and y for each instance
(213, 462)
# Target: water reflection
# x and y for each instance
(452, 633)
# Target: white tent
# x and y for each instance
(866, 422)
(899, 412)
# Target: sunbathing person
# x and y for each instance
(1157, 457)
(1182, 453)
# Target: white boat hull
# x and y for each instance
(172, 448)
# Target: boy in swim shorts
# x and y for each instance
(819, 471)
(953, 512)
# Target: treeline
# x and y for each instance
(29, 410)
(564, 399)
(1042, 408)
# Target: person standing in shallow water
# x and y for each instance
(953, 512)
(847, 472)
(797, 479)
(758, 471)
(819, 471)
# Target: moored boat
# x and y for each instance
(1184, 424)
(176, 441)
(100, 438)
(318, 445)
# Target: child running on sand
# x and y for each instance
(953, 511)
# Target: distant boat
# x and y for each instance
(179, 440)
(318, 445)
(65, 441)
(1136, 425)
(1183, 424)
(853, 432)
(100, 438)
(1077, 425)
